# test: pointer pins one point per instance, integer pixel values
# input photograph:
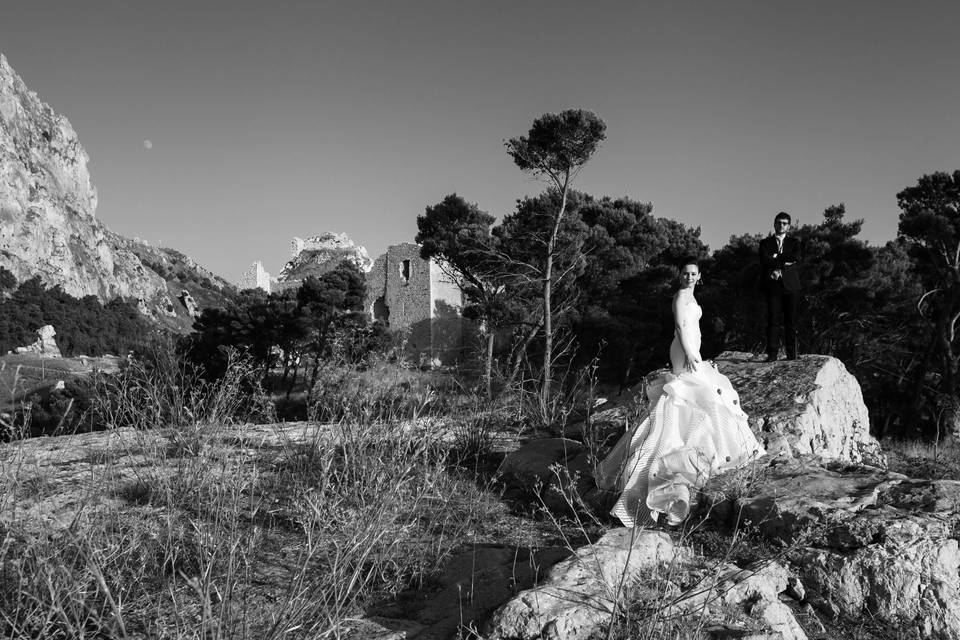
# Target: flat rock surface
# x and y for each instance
(54, 472)
(865, 541)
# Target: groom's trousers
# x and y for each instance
(781, 320)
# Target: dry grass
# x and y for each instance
(190, 525)
(194, 532)
(919, 459)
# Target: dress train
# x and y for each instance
(695, 428)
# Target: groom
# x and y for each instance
(779, 255)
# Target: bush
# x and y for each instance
(379, 392)
(83, 325)
(62, 411)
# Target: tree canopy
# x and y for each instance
(83, 325)
(558, 144)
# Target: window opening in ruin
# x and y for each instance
(405, 271)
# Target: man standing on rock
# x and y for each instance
(779, 255)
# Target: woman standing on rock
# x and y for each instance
(695, 427)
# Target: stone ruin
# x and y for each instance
(404, 291)
(45, 346)
(256, 277)
(313, 256)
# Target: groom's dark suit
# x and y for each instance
(781, 285)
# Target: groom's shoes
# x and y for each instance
(771, 357)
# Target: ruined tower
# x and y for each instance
(412, 294)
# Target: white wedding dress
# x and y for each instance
(695, 428)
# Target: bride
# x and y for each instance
(695, 428)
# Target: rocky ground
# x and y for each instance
(817, 540)
(829, 539)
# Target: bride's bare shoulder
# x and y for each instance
(681, 301)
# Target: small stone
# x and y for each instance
(795, 589)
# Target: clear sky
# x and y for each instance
(225, 128)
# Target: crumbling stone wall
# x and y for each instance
(403, 290)
(410, 293)
(256, 277)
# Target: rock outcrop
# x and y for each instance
(45, 345)
(865, 542)
(580, 594)
(189, 303)
(828, 541)
(810, 406)
(546, 468)
(318, 255)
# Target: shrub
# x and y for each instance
(380, 392)
(62, 411)
(83, 325)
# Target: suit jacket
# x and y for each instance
(790, 274)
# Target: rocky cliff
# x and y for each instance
(48, 224)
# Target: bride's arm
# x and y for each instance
(682, 318)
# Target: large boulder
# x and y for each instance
(579, 594)
(808, 406)
(45, 346)
(808, 413)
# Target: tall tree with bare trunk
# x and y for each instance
(555, 150)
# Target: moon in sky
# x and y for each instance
(147, 145)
